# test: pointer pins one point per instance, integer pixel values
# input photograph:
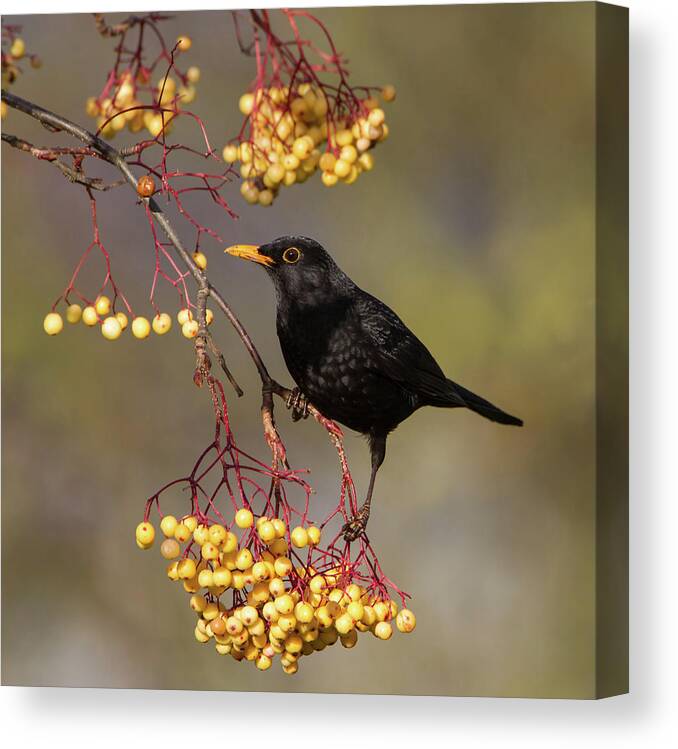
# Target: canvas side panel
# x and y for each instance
(612, 370)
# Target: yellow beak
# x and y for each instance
(249, 252)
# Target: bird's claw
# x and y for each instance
(355, 527)
(296, 401)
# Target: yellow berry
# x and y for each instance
(303, 612)
(172, 570)
(230, 153)
(141, 328)
(168, 525)
(102, 306)
(265, 197)
(184, 43)
(184, 315)
(299, 537)
(209, 316)
(205, 578)
(230, 542)
(246, 104)
(342, 168)
(243, 560)
(162, 322)
(209, 551)
(186, 569)
(111, 328)
(73, 313)
(200, 259)
(222, 577)
(244, 518)
(283, 566)
(266, 531)
(53, 324)
(193, 74)
(284, 604)
(406, 621)
(388, 93)
(89, 316)
(279, 526)
(121, 317)
(383, 630)
(313, 535)
(344, 624)
(263, 662)
(182, 533)
(376, 117)
(145, 533)
(366, 161)
(190, 329)
(191, 522)
(18, 48)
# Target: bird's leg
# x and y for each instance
(357, 524)
(296, 401)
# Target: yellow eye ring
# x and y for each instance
(291, 255)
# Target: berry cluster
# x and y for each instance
(130, 99)
(294, 131)
(277, 607)
(114, 323)
(13, 52)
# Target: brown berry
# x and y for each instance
(146, 186)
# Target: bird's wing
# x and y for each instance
(398, 354)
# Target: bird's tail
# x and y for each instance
(460, 396)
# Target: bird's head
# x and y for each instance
(301, 269)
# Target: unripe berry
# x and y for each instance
(53, 324)
(111, 328)
(162, 323)
(73, 313)
(145, 533)
(141, 328)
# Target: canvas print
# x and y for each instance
(315, 351)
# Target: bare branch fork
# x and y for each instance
(97, 148)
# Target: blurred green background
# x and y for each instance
(477, 226)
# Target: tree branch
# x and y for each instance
(50, 155)
(99, 147)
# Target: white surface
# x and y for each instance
(647, 717)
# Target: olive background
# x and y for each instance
(477, 226)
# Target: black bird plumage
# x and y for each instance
(350, 355)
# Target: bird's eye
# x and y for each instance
(291, 255)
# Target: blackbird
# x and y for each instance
(350, 355)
